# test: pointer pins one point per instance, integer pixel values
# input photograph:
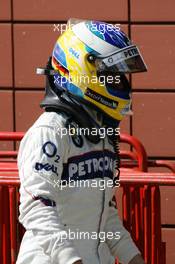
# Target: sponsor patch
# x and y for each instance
(101, 99)
(94, 164)
(46, 167)
(50, 150)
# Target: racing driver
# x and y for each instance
(69, 159)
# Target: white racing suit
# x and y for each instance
(63, 223)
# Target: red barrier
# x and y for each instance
(154, 249)
(9, 164)
(11, 136)
(141, 200)
(139, 149)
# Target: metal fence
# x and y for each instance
(140, 200)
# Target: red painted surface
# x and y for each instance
(62, 10)
(153, 122)
(6, 117)
(153, 40)
(157, 10)
(5, 10)
(27, 43)
(5, 55)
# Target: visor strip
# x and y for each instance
(90, 39)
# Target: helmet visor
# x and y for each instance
(126, 60)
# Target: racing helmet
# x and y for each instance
(90, 60)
